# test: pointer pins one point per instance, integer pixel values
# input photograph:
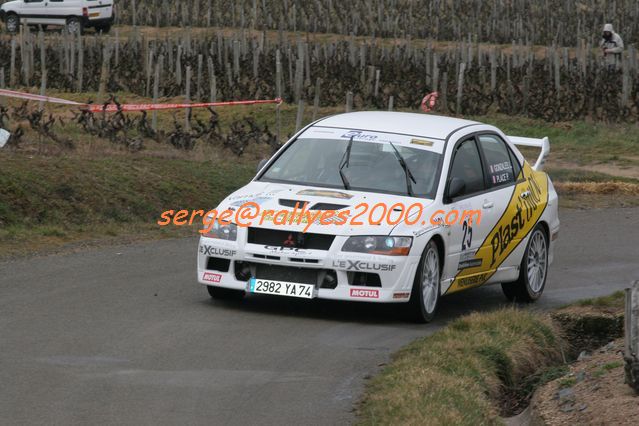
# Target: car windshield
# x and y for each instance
(372, 166)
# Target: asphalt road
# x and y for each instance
(124, 334)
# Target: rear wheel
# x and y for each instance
(12, 23)
(104, 29)
(533, 270)
(424, 298)
(225, 293)
(74, 25)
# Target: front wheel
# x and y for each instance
(12, 23)
(225, 293)
(74, 25)
(426, 287)
(533, 270)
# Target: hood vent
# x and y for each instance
(328, 206)
(304, 204)
(291, 203)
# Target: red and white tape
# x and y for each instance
(157, 107)
(130, 107)
(31, 97)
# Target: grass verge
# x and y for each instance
(47, 201)
(460, 374)
(485, 365)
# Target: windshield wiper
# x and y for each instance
(407, 172)
(346, 159)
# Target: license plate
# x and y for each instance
(281, 288)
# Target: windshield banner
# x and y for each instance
(408, 141)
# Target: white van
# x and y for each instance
(74, 15)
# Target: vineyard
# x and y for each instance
(355, 67)
(562, 22)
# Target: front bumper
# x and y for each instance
(88, 23)
(359, 277)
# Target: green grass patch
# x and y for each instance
(60, 199)
(567, 382)
(579, 141)
(459, 374)
(614, 300)
(612, 365)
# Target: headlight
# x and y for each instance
(223, 232)
(389, 246)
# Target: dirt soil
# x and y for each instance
(592, 393)
(609, 168)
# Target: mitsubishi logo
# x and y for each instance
(289, 242)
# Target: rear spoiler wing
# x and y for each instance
(543, 144)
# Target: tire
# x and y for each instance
(424, 297)
(225, 293)
(533, 270)
(74, 25)
(12, 23)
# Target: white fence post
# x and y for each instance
(631, 352)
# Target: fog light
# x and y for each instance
(242, 271)
(330, 280)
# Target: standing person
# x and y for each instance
(612, 47)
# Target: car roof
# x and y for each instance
(425, 125)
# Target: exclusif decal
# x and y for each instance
(519, 218)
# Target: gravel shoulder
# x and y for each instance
(592, 393)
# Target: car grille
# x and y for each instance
(286, 273)
(279, 238)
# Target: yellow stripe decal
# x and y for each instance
(519, 218)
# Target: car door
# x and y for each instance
(59, 10)
(519, 196)
(503, 172)
(33, 12)
(467, 216)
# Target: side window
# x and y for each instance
(467, 166)
(515, 162)
(499, 166)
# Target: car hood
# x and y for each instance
(283, 197)
(8, 4)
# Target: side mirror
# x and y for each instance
(456, 187)
(261, 164)
(4, 137)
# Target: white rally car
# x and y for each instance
(419, 170)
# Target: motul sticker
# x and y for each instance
(211, 277)
(365, 293)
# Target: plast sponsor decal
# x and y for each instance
(211, 277)
(365, 293)
(527, 203)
